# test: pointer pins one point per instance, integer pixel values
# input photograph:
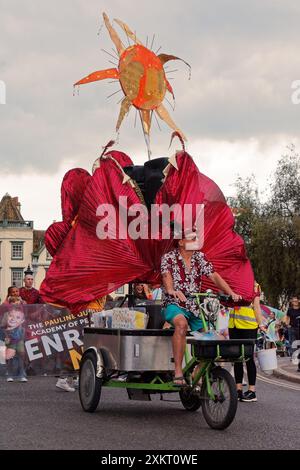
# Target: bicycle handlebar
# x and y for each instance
(209, 295)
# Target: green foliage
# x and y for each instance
(271, 229)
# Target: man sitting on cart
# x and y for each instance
(181, 271)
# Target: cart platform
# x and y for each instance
(151, 350)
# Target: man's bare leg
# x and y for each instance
(179, 342)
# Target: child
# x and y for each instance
(13, 296)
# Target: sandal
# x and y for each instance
(179, 381)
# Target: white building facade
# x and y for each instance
(20, 246)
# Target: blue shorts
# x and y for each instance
(172, 311)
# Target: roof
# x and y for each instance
(38, 240)
(10, 209)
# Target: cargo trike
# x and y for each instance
(141, 361)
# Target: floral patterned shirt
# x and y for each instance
(184, 280)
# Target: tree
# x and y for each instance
(247, 208)
(271, 230)
(285, 188)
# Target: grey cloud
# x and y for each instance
(244, 58)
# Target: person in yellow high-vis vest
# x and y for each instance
(244, 322)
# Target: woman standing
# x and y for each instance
(243, 324)
(293, 323)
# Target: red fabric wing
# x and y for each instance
(86, 267)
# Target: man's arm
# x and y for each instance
(287, 318)
(257, 311)
(169, 287)
(221, 284)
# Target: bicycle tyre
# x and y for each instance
(89, 384)
(216, 422)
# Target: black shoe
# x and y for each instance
(240, 395)
(249, 396)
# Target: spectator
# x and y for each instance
(292, 321)
(67, 382)
(142, 292)
(244, 323)
(29, 293)
(13, 296)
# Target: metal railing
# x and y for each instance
(16, 224)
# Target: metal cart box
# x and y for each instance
(132, 350)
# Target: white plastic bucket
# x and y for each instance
(267, 359)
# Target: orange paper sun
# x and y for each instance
(142, 78)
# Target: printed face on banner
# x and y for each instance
(15, 318)
(47, 339)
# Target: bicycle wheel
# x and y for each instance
(220, 411)
(89, 384)
(190, 399)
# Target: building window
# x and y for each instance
(17, 277)
(120, 290)
(17, 250)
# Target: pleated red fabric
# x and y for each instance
(72, 189)
(85, 267)
(222, 246)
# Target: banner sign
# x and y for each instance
(40, 340)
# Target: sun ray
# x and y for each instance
(146, 120)
(124, 109)
(113, 35)
(100, 75)
(165, 116)
(164, 58)
(136, 111)
(157, 122)
(170, 89)
(118, 91)
(152, 42)
(171, 105)
(128, 31)
(146, 136)
(108, 53)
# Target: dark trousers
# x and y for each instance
(237, 333)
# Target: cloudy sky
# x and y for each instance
(236, 110)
